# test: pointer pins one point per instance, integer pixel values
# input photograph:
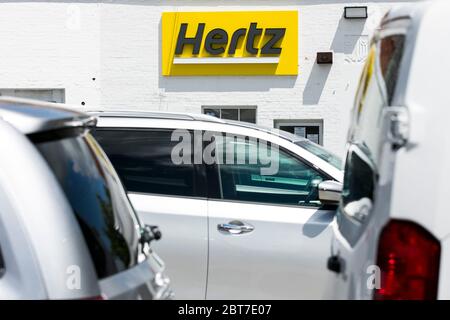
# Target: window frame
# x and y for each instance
(236, 107)
(200, 174)
(277, 123)
(214, 180)
(58, 94)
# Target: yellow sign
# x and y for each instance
(230, 43)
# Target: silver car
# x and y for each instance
(67, 229)
(231, 229)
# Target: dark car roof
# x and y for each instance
(31, 116)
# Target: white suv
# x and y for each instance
(231, 231)
(67, 228)
(392, 229)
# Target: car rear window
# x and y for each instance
(102, 209)
(390, 55)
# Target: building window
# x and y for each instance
(49, 95)
(238, 113)
(309, 129)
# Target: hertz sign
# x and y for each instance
(230, 43)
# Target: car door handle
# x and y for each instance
(234, 228)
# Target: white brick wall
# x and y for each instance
(66, 45)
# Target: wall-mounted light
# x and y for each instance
(355, 12)
(324, 57)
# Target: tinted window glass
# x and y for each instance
(106, 218)
(321, 152)
(293, 183)
(358, 191)
(310, 132)
(212, 112)
(236, 114)
(144, 163)
(248, 115)
(230, 114)
(391, 52)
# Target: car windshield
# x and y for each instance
(321, 152)
(100, 204)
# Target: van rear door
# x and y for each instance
(374, 136)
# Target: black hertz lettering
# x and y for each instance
(277, 34)
(216, 40)
(196, 41)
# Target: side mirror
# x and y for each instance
(330, 192)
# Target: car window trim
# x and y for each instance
(321, 207)
(165, 195)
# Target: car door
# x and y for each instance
(269, 236)
(168, 195)
(377, 132)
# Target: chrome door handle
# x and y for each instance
(234, 227)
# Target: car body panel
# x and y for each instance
(444, 277)
(184, 243)
(21, 164)
(427, 102)
(137, 283)
(279, 259)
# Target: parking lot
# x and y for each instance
(224, 150)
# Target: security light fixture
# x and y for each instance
(324, 57)
(355, 12)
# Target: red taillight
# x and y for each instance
(408, 256)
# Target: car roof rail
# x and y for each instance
(155, 115)
(167, 115)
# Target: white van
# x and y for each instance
(392, 228)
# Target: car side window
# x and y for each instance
(142, 158)
(391, 52)
(289, 182)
